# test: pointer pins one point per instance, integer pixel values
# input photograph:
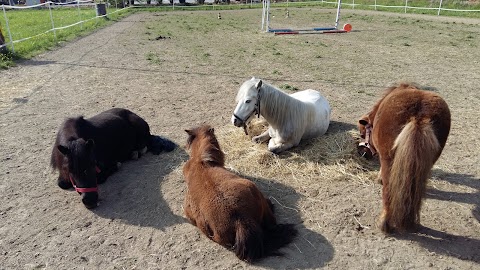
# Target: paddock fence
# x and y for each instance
(53, 17)
(45, 20)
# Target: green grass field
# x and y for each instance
(37, 23)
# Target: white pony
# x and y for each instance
(301, 115)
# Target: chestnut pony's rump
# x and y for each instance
(86, 151)
(229, 209)
(408, 129)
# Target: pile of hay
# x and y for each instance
(332, 157)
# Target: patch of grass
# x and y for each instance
(7, 60)
(288, 87)
(276, 72)
(153, 58)
(36, 23)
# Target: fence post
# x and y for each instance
(8, 29)
(406, 4)
(375, 4)
(439, 8)
(353, 4)
(79, 14)
(51, 18)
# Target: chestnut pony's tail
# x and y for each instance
(416, 149)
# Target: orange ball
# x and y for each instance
(347, 27)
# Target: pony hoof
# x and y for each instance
(135, 155)
(256, 140)
(384, 226)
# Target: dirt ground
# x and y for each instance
(191, 77)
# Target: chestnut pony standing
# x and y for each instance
(408, 128)
(229, 209)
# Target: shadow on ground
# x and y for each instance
(460, 247)
(309, 249)
(134, 195)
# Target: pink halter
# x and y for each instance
(83, 190)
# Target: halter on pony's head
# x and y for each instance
(256, 109)
(83, 190)
(365, 148)
(78, 152)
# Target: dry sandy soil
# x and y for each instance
(192, 77)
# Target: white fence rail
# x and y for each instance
(406, 5)
(79, 4)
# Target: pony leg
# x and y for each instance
(135, 155)
(265, 136)
(276, 148)
(384, 219)
(138, 153)
(379, 177)
(106, 171)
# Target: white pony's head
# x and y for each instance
(248, 102)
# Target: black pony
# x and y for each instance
(87, 151)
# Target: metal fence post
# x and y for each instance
(79, 14)
(406, 4)
(8, 29)
(439, 8)
(51, 18)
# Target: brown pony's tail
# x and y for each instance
(277, 237)
(416, 150)
(248, 241)
(252, 242)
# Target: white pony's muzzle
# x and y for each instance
(236, 122)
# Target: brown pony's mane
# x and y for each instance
(204, 146)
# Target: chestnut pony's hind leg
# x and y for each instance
(384, 220)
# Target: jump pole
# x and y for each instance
(287, 31)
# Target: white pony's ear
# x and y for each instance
(258, 84)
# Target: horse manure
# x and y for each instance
(161, 37)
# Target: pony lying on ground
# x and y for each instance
(291, 118)
(229, 209)
(87, 151)
(408, 128)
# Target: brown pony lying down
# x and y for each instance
(227, 208)
(408, 128)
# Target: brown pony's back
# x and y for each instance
(409, 129)
(229, 209)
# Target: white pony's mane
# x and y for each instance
(276, 106)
